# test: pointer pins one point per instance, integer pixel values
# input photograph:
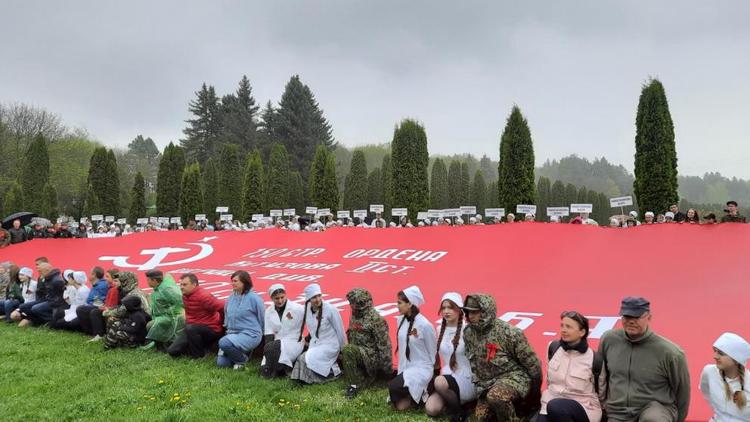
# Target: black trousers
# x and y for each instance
(91, 320)
(58, 321)
(194, 341)
(563, 410)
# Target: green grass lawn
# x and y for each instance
(58, 376)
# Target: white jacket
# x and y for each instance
(287, 330)
(418, 369)
(714, 392)
(324, 349)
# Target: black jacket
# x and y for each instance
(55, 288)
(18, 235)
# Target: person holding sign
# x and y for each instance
(510, 218)
(378, 221)
(325, 337)
(283, 322)
(726, 384)
(453, 386)
(416, 352)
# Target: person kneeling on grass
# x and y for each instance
(75, 294)
(368, 356)
(129, 330)
(283, 323)
(243, 320)
(204, 314)
(325, 337)
(167, 311)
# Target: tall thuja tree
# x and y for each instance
(230, 179)
(35, 175)
(543, 191)
(109, 199)
(571, 195)
(300, 125)
(465, 184)
(439, 198)
(204, 129)
(655, 184)
(278, 178)
(137, 199)
(240, 117)
(13, 201)
(169, 181)
(455, 196)
(387, 173)
(374, 188)
(556, 195)
(492, 197)
(409, 161)
(97, 182)
(91, 203)
(478, 196)
(191, 193)
(357, 183)
(254, 187)
(210, 188)
(296, 192)
(582, 195)
(49, 204)
(596, 213)
(323, 190)
(516, 166)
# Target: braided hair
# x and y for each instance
(738, 397)
(455, 340)
(304, 319)
(413, 312)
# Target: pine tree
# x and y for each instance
(387, 173)
(655, 183)
(605, 209)
(465, 185)
(596, 213)
(493, 201)
(454, 184)
(210, 188)
(230, 179)
(296, 192)
(479, 192)
(323, 190)
(14, 200)
(516, 166)
(543, 197)
(169, 181)
(489, 170)
(35, 175)
(239, 117)
(557, 195)
(254, 187)
(91, 204)
(300, 125)
(409, 161)
(137, 199)
(571, 195)
(191, 193)
(98, 182)
(357, 183)
(203, 131)
(278, 178)
(267, 129)
(582, 195)
(374, 189)
(109, 198)
(49, 206)
(439, 197)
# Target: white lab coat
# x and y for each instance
(418, 369)
(287, 330)
(713, 391)
(76, 297)
(462, 374)
(324, 350)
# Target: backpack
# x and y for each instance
(596, 366)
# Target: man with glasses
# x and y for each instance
(647, 374)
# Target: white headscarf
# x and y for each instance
(453, 297)
(80, 277)
(734, 346)
(274, 287)
(414, 295)
(311, 291)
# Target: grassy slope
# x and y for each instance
(49, 375)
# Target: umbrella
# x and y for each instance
(42, 221)
(25, 218)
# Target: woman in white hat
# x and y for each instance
(76, 294)
(725, 384)
(416, 351)
(326, 337)
(283, 323)
(453, 386)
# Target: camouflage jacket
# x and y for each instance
(128, 287)
(497, 350)
(369, 331)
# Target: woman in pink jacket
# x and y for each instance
(575, 382)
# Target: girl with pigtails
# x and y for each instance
(453, 386)
(416, 352)
(726, 383)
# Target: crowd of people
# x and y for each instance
(472, 364)
(63, 230)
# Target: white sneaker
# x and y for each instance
(96, 338)
(239, 366)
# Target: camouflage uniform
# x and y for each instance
(505, 368)
(368, 356)
(129, 330)
(128, 287)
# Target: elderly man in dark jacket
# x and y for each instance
(17, 233)
(42, 311)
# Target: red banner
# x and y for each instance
(694, 276)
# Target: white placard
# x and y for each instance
(153, 219)
(342, 214)
(376, 208)
(579, 208)
(83, 220)
(257, 217)
(468, 210)
(399, 212)
(360, 213)
(290, 212)
(200, 217)
(558, 211)
(175, 220)
(422, 215)
(434, 213)
(620, 201)
(311, 210)
(526, 209)
(222, 209)
(276, 213)
(163, 219)
(142, 221)
(97, 217)
(323, 212)
(227, 217)
(122, 220)
(109, 219)
(452, 212)
(494, 212)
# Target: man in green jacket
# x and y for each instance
(648, 374)
(167, 311)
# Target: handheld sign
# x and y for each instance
(621, 201)
(153, 219)
(222, 209)
(494, 212)
(200, 217)
(558, 211)
(360, 213)
(142, 221)
(468, 210)
(109, 219)
(422, 215)
(342, 214)
(324, 212)
(453, 212)
(121, 220)
(376, 208)
(311, 210)
(276, 213)
(526, 209)
(175, 220)
(163, 219)
(83, 220)
(257, 217)
(434, 213)
(289, 212)
(399, 212)
(227, 217)
(579, 208)
(97, 217)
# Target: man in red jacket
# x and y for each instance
(204, 315)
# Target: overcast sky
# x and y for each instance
(120, 69)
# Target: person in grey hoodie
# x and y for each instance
(648, 375)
